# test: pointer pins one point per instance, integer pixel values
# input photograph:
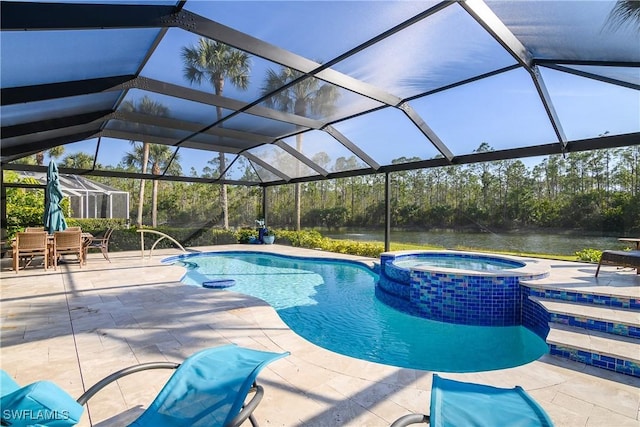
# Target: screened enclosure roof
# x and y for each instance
(273, 92)
(73, 185)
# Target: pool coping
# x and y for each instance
(530, 270)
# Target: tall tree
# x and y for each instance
(307, 97)
(159, 158)
(53, 152)
(145, 106)
(216, 63)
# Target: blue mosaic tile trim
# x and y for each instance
(392, 287)
(396, 273)
(596, 325)
(534, 316)
(598, 360)
(470, 300)
(602, 300)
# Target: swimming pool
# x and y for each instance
(457, 287)
(333, 304)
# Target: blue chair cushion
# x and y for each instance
(461, 404)
(7, 384)
(40, 403)
(208, 389)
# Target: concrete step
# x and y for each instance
(613, 352)
(628, 298)
(616, 321)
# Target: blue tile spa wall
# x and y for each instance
(470, 300)
(534, 316)
(464, 297)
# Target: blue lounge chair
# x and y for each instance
(460, 404)
(41, 403)
(208, 389)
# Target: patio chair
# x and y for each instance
(34, 229)
(101, 243)
(208, 389)
(461, 404)
(28, 245)
(41, 403)
(620, 258)
(65, 243)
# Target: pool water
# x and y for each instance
(461, 263)
(333, 304)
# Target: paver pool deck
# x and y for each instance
(76, 325)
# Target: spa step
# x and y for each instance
(551, 292)
(592, 317)
(602, 350)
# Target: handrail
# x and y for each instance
(162, 236)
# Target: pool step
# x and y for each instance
(616, 321)
(547, 290)
(613, 352)
(592, 331)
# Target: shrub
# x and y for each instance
(314, 240)
(589, 255)
(245, 235)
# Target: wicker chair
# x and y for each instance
(67, 242)
(620, 258)
(34, 229)
(28, 245)
(101, 243)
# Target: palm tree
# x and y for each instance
(624, 12)
(53, 152)
(307, 97)
(216, 62)
(78, 161)
(158, 157)
(145, 106)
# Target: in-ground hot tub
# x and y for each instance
(457, 287)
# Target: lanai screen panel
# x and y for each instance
(380, 85)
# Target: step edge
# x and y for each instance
(595, 316)
(625, 341)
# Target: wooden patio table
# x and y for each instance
(635, 240)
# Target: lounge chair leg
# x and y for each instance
(411, 419)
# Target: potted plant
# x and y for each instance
(268, 237)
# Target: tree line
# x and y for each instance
(594, 191)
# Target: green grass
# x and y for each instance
(373, 249)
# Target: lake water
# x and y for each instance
(558, 244)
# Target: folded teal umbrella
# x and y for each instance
(53, 218)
